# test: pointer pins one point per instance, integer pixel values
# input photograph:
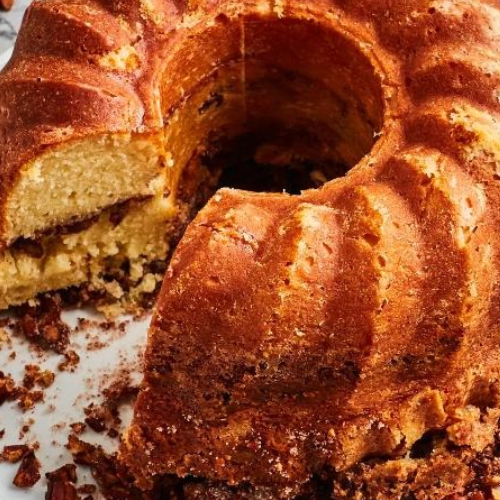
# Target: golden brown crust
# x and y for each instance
(297, 333)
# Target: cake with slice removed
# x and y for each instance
(298, 339)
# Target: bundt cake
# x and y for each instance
(299, 336)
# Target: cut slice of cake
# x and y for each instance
(99, 177)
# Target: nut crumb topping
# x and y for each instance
(29, 471)
(61, 483)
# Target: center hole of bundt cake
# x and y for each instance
(276, 104)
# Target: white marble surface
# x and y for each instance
(10, 23)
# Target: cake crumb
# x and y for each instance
(78, 428)
(102, 417)
(8, 390)
(26, 428)
(72, 360)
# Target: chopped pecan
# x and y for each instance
(103, 417)
(61, 484)
(113, 433)
(14, 453)
(83, 453)
(87, 489)
(95, 423)
(46, 378)
(28, 399)
(113, 478)
(29, 471)
(35, 376)
(43, 325)
(59, 490)
(8, 390)
(71, 361)
(65, 473)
